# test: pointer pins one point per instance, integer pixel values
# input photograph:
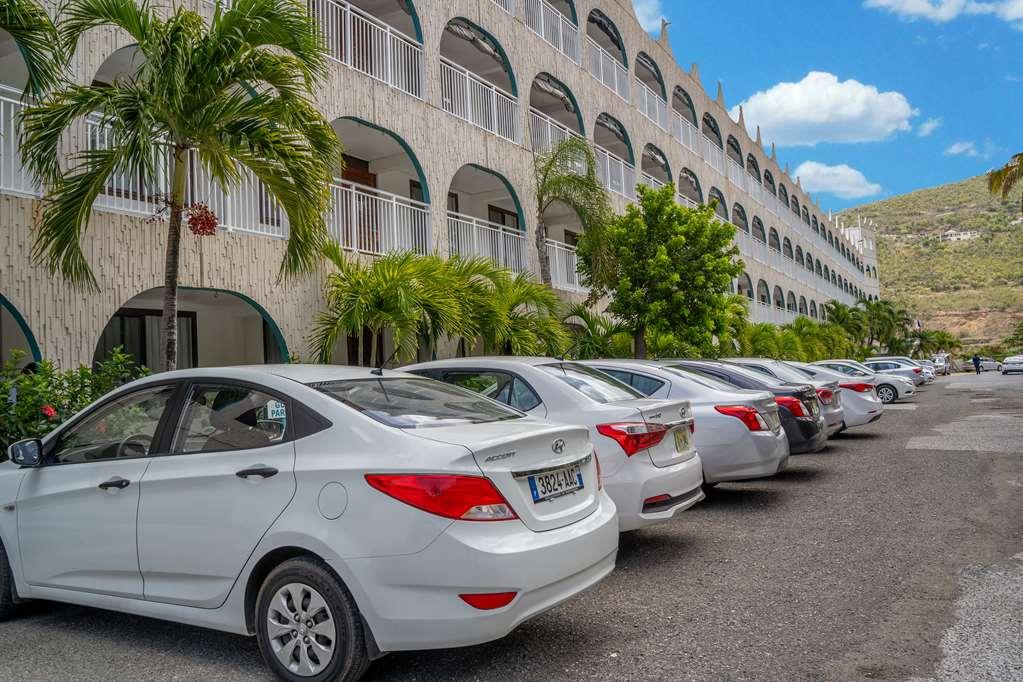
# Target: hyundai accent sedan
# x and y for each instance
(645, 448)
(333, 512)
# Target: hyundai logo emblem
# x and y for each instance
(558, 446)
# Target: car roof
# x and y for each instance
(302, 373)
(505, 361)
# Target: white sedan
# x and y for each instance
(860, 403)
(333, 512)
(889, 387)
(1013, 363)
(649, 464)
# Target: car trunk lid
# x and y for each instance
(676, 417)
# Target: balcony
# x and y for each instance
(607, 69)
(564, 267)
(473, 99)
(685, 132)
(372, 221)
(765, 312)
(358, 40)
(470, 236)
(650, 181)
(507, 5)
(616, 174)
(650, 104)
(545, 133)
(713, 154)
(738, 176)
(14, 179)
(686, 201)
(554, 27)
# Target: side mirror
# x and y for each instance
(26, 453)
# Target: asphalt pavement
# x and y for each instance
(897, 553)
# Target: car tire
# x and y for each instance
(887, 393)
(7, 603)
(307, 589)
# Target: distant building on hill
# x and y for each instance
(954, 235)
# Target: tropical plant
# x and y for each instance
(35, 37)
(231, 96)
(849, 318)
(567, 174)
(593, 334)
(524, 320)
(735, 318)
(670, 269)
(1014, 341)
(1002, 180)
(760, 340)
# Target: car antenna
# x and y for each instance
(562, 356)
(379, 369)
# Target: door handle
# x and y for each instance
(115, 482)
(260, 470)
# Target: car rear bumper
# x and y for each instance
(805, 435)
(412, 602)
(860, 410)
(640, 480)
(760, 454)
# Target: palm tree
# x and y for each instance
(761, 340)
(231, 96)
(734, 319)
(1002, 180)
(32, 31)
(849, 318)
(595, 335)
(524, 318)
(567, 174)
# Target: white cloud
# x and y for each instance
(965, 148)
(928, 127)
(820, 108)
(843, 181)
(941, 11)
(649, 13)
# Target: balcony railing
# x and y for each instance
(607, 69)
(473, 99)
(554, 27)
(616, 174)
(13, 177)
(369, 220)
(507, 5)
(366, 44)
(712, 154)
(684, 131)
(686, 201)
(564, 267)
(545, 132)
(650, 104)
(650, 181)
(738, 176)
(766, 312)
(469, 236)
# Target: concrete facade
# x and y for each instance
(126, 249)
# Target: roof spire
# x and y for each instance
(721, 95)
(694, 72)
(760, 141)
(774, 153)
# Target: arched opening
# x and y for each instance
(485, 218)
(813, 309)
(13, 81)
(649, 74)
(802, 305)
(783, 194)
(813, 224)
(779, 298)
(605, 53)
(799, 255)
(615, 161)
(763, 293)
(745, 285)
(689, 188)
(786, 250)
(712, 131)
(718, 200)
(752, 167)
(16, 335)
(477, 81)
(823, 312)
(734, 150)
(554, 113)
(809, 262)
(794, 202)
(818, 268)
(381, 203)
(827, 273)
(806, 216)
(831, 239)
(769, 182)
(656, 172)
(215, 328)
(601, 30)
(758, 230)
(790, 302)
(773, 241)
(834, 278)
(682, 103)
(651, 97)
(739, 217)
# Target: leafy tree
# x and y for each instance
(669, 269)
(593, 334)
(1014, 341)
(35, 36)
(1002, 180)
(567, 174)
(230, 95)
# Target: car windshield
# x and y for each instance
(411, 403)
(592, 383)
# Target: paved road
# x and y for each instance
(895, 554)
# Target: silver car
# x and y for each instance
(1013, 363)
(828, 390)
(898, 368)
(927, 371)
(889, 387)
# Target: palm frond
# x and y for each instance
(36, 38)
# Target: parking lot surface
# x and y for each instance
(897, 553)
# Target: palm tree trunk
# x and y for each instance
(173, 260)
(541, 251)
(639, 342)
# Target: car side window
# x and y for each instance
(124, 427)
(645, 385)
(500, 386)
(220, 418)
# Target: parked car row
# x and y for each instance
(339, 513)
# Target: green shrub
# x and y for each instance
(32, 403)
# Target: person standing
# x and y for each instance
(976, 362)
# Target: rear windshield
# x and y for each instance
(703, 379)
(592, 383)
(410, 403)
(784, 372)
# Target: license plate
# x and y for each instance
(682, 439)
(553, 484)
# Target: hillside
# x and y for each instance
(972, 288)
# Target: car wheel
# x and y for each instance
(308, 626)
(7, 604)
(887, 393)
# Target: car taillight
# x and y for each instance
(825, 396)
(634, 436)
(794, 405)
(917, 370)
(488, 600)
(859, 388)
(470, 498)
(749, 416)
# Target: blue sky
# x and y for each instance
(877, 97)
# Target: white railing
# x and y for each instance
(684, 131)
(125, 191)
(372, 221)
(469, 236)
(14, 178)
(507, 5)
(686, 201)
(366, 44)
(564, 266)
(764, 312)
(607, 69)
(713, 154)
(545, 132)
(616, 174)
(473, 99)
(554, 27)
(248, 207)
(650, 104)
(651, 181)
(737, 175)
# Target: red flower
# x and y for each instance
(48, 411)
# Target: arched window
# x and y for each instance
(711, 130)
(602, 31)
(813, 224)
(831, 239)
(817, 269)
(834, 278)
(715, 196)
(689, 186)
(786, 249)
(654, 164)
(779, 298)
(554, 113)
(734, 150)
(794, 202)
(746, 285)
(649, 74)
(773, 241)
(790, 302)
(802, 305)
(827, 273)
(763, 293)
(769, 182)
(799, 255)
(806, 216)
(683, 104)
(752, 166)
(739, 217)
(813, 309)
(758, 229)
(783, 193)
